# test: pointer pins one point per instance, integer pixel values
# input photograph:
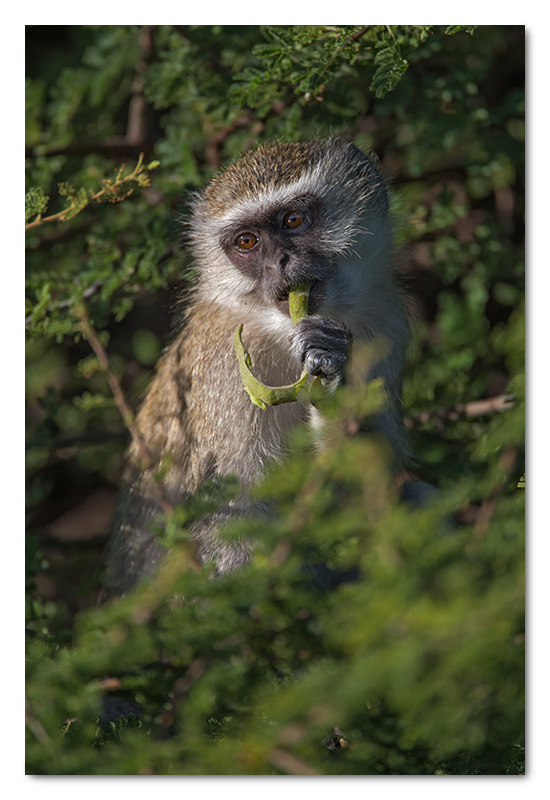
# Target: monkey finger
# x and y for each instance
(328, 365)
(319, 334)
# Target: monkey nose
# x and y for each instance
(283, 261)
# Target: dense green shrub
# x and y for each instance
(418, 667)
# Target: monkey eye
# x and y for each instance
(246, 241)
(294, 220)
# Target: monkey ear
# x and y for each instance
(372, 170)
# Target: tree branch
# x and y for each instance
(476, 408)
(136, 138)
(125, 410)
(110, 193)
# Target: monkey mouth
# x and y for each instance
(281, 300)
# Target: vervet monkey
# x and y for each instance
(284, 214)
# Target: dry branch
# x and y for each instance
(476, 408)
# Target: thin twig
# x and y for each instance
(69, 301)
(37, 728)
(357, 35)
(180, 690)
(137, 123)
(125, 410)
(476, 408)
(110, 188)
(351, 38)
(506, 463)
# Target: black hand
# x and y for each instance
(322, 346)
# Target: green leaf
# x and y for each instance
(451, 30)
(390, 67)
(35, 203)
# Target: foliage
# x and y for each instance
(78, 199)
(417, 668)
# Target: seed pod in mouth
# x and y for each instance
(298, 299)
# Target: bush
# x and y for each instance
(417, 668)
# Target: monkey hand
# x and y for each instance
(322, 346)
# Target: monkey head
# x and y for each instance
(289, 213)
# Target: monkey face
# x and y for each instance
(292, 213)
(278, 250)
